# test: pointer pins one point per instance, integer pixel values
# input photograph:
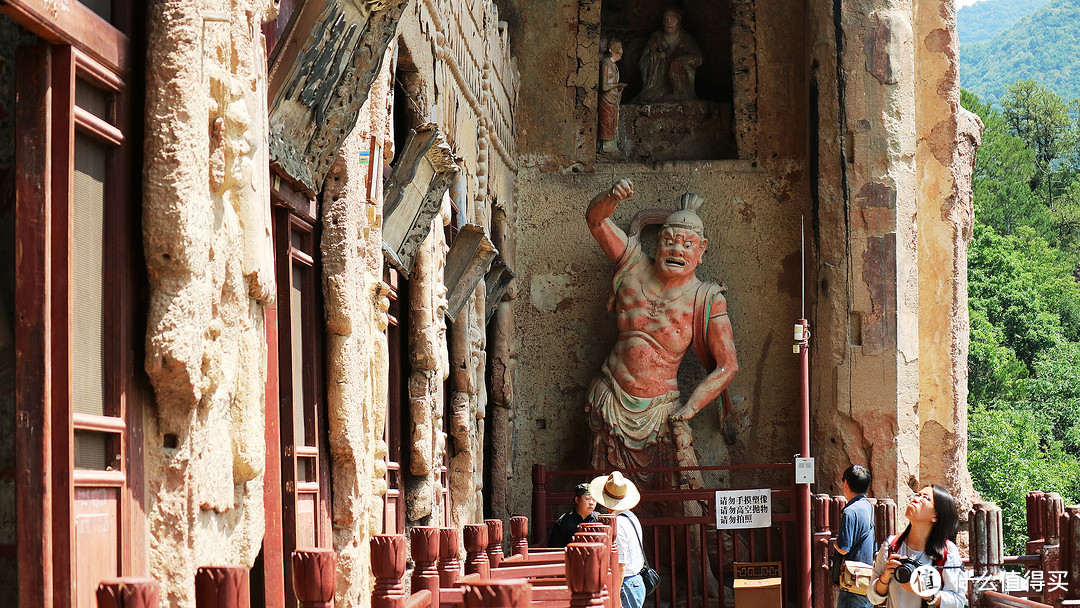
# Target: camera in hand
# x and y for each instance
(924, 580)
(906, 569)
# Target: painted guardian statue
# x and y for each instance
(662, 309)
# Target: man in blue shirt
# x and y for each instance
(855, 539)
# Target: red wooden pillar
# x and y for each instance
(519, 535)
(425, 552)
(449, 568)
(509, 593)
(222, 587)
(314, 573)
(495, 537)
(476, 560)
(585, 572)
(128, 593)
(388, 566)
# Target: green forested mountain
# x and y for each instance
(1024, 301)
(988, 18)
(1044, 46)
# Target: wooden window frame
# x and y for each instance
(76, 45)
(394, 433)
(293, 217)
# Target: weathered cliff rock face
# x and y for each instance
(207, 244)
(896, 153)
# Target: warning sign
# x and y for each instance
(737, 509)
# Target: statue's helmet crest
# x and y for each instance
(686, 217)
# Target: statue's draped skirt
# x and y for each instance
(634, 432)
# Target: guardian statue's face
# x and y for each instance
(678, 252)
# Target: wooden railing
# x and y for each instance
(1051, 561)
(695, 560)
(579, 575)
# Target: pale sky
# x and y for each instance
(960, 3)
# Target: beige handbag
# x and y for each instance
(855, 577)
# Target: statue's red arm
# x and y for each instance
(611, 238)
(721, 344)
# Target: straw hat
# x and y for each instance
(615, 492)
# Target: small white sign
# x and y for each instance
(804, 470)
(738, 509)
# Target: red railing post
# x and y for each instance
(585, 574)
(449, 568)
(495, 538)
(1035, 519)
(128, 593)
(1070, 551)
(1053, 509)
(986, 551)
(314, 574)
(476, 559)
(609, 569)
(222, 587)
(425, 552)
(611, 521)
(510, 593)
(388, 566)
(519, 535)
(539, 504)
(884, 519)
(821, 579)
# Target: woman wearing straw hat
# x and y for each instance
(618, 495)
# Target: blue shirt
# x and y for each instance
(856, 534)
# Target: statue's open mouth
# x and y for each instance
(675, 262)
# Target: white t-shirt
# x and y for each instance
(628, 538)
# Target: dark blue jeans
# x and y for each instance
(851, 600)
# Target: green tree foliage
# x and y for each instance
(1044, 45)
(1024, 392)
(1027, 167)
(1010, 455)
(1040, 118)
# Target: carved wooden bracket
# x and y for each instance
(466, 264)
(497, 281)
(320, 74)
(414, 193)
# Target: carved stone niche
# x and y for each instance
(704, 128)
(466, 263)
(320, 74)
(413, 194)
(497, 281)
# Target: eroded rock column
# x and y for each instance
(948, 137)
(206, 233)
(868, 378)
